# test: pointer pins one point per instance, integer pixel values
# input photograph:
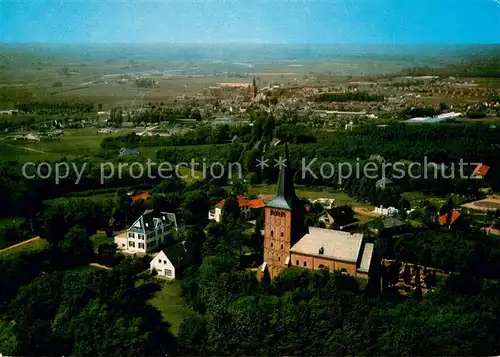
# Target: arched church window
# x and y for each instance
(282, 234)
(305, 263)
(279, 259)
(271, 245)
(272, 233)
(282, 246)
(297, 262)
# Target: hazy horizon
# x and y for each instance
(253, 22)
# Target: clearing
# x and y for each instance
(171, 304)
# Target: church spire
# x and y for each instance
(285, 190)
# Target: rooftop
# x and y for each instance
(336, 245)
(243, 202)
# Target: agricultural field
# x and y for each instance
(73, 143)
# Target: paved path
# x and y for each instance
(147, 130)
(19, 244)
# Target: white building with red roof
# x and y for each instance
(248, 208)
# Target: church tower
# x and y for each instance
(254, 88)
(284, 222)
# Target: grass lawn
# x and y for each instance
(9, 221)
(415, 197)
(35, 245)
(171, 304)
(362, 219)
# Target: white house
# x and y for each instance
(162, 265)
(147, 233)
(390, 211)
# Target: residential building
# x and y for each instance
(454, 218)
(376, 158)
(170, 262)
(288, 242)
(249, 208)
(129, 152)
(387, 212)
(327, 203)
(147, 232)
(383, 183)
(481, 170)
(236, 139)
(142, 196)
(162, 265)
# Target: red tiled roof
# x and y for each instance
(143, 196)
(243, 202)
(454, 216)
(481, 170)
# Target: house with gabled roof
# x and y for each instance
(451, 219)
(162, 265)
(147, 232)
(383, 183)
(129, 152)
(142, 196)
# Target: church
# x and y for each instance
(288, 242)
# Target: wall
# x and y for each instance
(161, 267)
(316, 262)
(276, 239)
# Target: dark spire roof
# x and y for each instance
(253, 81)
(285, 191)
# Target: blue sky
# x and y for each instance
(270, 21)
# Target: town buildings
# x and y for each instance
(287, 242)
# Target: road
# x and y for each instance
(147, 130)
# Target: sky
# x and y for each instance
(255, 21)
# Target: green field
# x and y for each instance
(341, 198)
(171, 304)
(73, 143)
(33, 246)
(415, 197)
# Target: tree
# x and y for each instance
(192, 334)
(8, 340)
(76, 246)
(195, 207)
(239, 187)
(194, 242)
(231, 212)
